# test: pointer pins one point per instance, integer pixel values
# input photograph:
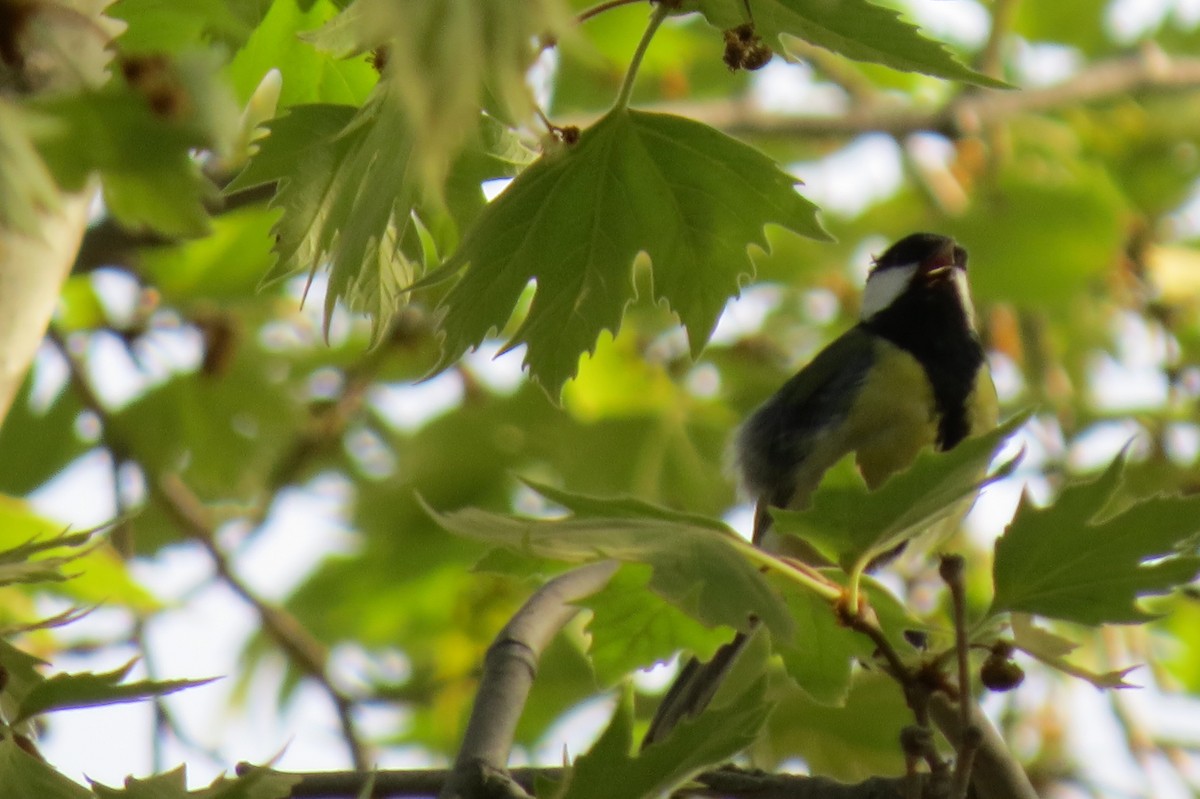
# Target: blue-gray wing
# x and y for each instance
(774, 443)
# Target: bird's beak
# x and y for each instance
(941, 265)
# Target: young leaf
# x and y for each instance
(1073, 561)
(697, 567)
(853, 525)
(712, 737)
(689, 196)
(66, 691)
(23, 775)
(856, 29)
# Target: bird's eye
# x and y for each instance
(960, 257)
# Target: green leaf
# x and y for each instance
(23, 676)
(633, 628)
(1045, 203)
(350, 199)
(309, 76)
(850, 743)
(1052, 650)
(66, 691)
(1075, 561)
(853, 525)
(253, 783)
(697, 566)
(157, 183)
(446, 60)
(43, 435)
(712, 737)
(24, 775)
(689, 196)
(157, 26)
(821, 655)
(854, 28)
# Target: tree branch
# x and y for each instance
(508, 673)
(728, 783)
(1148, 71)
(189, 512)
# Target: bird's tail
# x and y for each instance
(693, 689)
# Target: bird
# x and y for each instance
(911, 374)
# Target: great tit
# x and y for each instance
(909, 375)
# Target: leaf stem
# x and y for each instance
(795, 572)
(661, 9)
(600, 8)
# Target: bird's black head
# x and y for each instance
(920, 262)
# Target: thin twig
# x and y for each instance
(661, 10)
(600, 8)
(1142, 73)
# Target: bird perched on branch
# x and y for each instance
(911, 374)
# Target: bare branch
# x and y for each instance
(508, 672)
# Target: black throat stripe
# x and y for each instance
(929, 323)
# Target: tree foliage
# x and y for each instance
(317, 221)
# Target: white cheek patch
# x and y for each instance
(885, 285)
(964, 295)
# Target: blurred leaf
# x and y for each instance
(67, 691)
(177, 107)
(697, 563)
(854, 28)
(226, 265)
(853, 524)
(1075, 560)
(1044, 234)
(155, 26)
(23, 676)
(75, 565)
(444, 60)
(1075, 24)
(221, 432)
(39, 441)
(24, 775)
(309, 76)
(687, 195)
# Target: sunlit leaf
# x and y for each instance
(690, 197)
(1074, 560)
